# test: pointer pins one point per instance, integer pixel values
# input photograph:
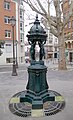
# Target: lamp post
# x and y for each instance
(1, 52)
(16, 55)
(13, 21)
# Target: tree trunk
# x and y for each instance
(62, 58)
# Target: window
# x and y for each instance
(50, 48)
(7, 19)
(9, 60)
(8, 48)
(65, 45)
(69, 24)
(22, 26)
(21, 14)
(69, 45)
(22, 49)
(55, 40)
(55, 55)
(7, 34)
(22, 37)
(50, 38)
(50, 41)
(55, 48)
(65, 14)
(72, 44)
(72, 36)
(22, 59)
(26, 53)
(7, 5)
(21, 3)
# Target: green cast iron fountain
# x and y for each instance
(37, 86)
(36, 100)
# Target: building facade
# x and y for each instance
(9, 9)
(68, 31)
(51, 46)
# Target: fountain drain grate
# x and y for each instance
(24, 109)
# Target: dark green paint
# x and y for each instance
(37, 87)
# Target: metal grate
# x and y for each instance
(23, 109)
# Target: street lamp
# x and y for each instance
(16, 55)
(1, 52)
(13, 21)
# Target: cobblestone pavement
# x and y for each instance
(60, 81)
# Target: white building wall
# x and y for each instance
(17, 21)
(17, 33)
(22, 45)
(7, 52)
(50, 44)
(2, 57)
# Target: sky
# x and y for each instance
(30, 15)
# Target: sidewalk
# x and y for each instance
(59, 81)
(54, 66)
(50, 65)
(10, 67)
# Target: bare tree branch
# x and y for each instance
(41, 6)
(53, 31)
(55, 24)
(33, 7)
(68, 16)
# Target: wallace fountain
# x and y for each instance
(37, 100)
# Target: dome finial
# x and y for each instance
(36, 16)
(36, 20)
